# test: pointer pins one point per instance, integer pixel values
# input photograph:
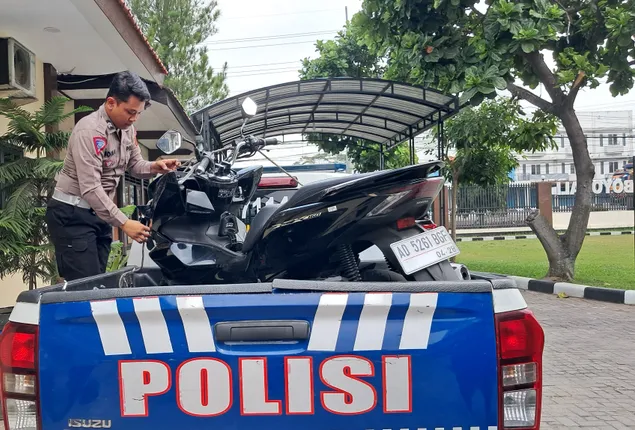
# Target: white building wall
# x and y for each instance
(611, 143)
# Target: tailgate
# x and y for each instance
(286, 359)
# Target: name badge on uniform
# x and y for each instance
(99, 143)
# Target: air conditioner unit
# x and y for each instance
(17, 71)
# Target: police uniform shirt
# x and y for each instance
(98, 155)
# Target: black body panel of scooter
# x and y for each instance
(298, 239)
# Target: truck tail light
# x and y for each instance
(520, 346)
(278, 182)
(18, 377)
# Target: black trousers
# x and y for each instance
(81, 239)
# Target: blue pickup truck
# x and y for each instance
(460, 355)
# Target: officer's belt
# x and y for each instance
(70, 199)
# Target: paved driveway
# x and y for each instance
(589, 365)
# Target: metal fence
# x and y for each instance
(508, 205)
(600, 202)
(498, 206)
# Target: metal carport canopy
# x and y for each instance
(381, 111)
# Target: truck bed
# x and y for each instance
(288, 354)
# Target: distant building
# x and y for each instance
(609, 139)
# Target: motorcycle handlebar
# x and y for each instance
(202, 167)
(244, 146)
(255, 144)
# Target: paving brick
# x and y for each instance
(589, 363)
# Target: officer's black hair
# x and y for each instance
(126, 84)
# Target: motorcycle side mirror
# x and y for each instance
(249, 108)
(170, 141)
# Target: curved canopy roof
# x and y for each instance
(381, 111)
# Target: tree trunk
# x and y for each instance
(563, 250)
(32, 274)
(455, 191)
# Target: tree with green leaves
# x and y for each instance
(461, 46)
(365, 155)
(346, 57)
(177, 30)
(29, 181)
(486, 141)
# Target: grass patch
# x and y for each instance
(604, 261)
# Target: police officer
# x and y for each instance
(102, 146)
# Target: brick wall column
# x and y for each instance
(544, 199)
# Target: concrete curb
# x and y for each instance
(533, 236)
(612, 295)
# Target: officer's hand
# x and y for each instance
(164, 166)
(136, 230)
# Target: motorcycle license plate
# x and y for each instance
(424, 250)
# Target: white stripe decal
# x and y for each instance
(153, 326)
(198, 330)
(112, 331)
(418, 321)
(25, 313)
(372, 322)
(327, 321)
(509, 299)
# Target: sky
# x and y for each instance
(267, 26)
(263, 43)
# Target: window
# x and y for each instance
(535, 169)
(564, 168)
(572, 167)
(624, 139)
(561, 141)
(8, 155)
(524, 169)
(601, 167)
(134, 190)
(547, 169)
(613, 139)
(613, 166)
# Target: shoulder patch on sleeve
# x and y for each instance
(99, 143)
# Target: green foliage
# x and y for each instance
(475, 49)
(347, 57)
(116, 259)
(342, 57)
(29, 183)
(364, 154)
(128, 210)
(453, 46)
(487, 137)
(177, 30)
(485, 140)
